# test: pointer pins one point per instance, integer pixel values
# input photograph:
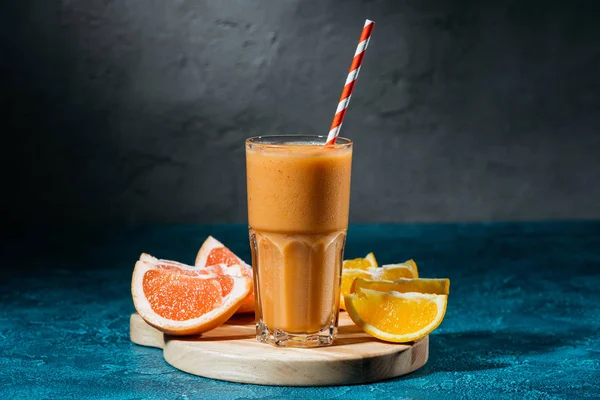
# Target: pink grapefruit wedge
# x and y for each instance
(182, 300)
(213, 254)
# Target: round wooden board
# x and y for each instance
(231, 353)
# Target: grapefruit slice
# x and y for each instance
(181, 300)
(214, 255)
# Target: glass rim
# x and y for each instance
(295, 139)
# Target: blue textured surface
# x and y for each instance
(523, 319)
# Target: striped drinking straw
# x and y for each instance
(336, 125)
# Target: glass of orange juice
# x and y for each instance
(298, 202)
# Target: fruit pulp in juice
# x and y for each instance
(298, 202)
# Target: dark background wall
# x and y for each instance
(136, 110)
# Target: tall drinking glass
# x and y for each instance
(298, 202)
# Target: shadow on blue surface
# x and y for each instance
(477, 350)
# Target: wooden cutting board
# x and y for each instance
(231, 353)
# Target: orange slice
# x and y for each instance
(371, 259)
(183, 300)
(213, 254)
(387, 272)
(410, 264)
(394, 316)
(404, 285)
(361, 263)
(348, 276)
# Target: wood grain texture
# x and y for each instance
(231, 353)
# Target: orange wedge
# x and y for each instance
(348, 276)
(394, 316)
(410, 264)
(183, 300)
(370, 258)
(361, 263)
(404, 285)
(387, 272)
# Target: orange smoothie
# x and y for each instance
(298, 202)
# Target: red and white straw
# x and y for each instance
(336, 125)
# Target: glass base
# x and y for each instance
(280, 338)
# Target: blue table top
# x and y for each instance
(523, 317)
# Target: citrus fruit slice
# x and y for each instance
(387, 272)
(410, 264)
(213, 254)
(348, 276)
(371, 259)
(183, 300)
(396, 317)
(404, 285)
(361, 263)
